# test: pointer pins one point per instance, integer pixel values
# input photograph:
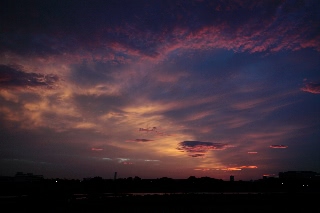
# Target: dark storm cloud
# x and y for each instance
(139, 27)
(199, 148)
(11, 77)
(312, 88)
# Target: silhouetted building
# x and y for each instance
(115, 176)
(231, 178)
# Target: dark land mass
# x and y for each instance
(159, 195)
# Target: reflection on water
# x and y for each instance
(186, 193)
(128, 194)
(81, 196)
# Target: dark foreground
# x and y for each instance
(184, 202)
(159, 195)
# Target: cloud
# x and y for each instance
(139, 140)
(148, 160)
(11, 77)
(199, 148)
(202, 169)
(234, 168)
(278, 146)
(96, 149)
(312, 88)
(121, 160)
(119, 33)
(238, 168)
(108, 159)
(187, 67)
(197, 155)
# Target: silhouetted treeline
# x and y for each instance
(10, 186)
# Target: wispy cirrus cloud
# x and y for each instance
(155, 35)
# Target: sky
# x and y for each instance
(157, 89)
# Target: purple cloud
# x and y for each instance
(199, 148)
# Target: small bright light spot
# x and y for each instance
(282, 183)
(303, 185)
(56, 181)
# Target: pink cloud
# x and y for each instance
(313, 88)
(96, 149)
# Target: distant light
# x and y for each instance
(282, 183)
(56, 181)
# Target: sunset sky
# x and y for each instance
(159, 88)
